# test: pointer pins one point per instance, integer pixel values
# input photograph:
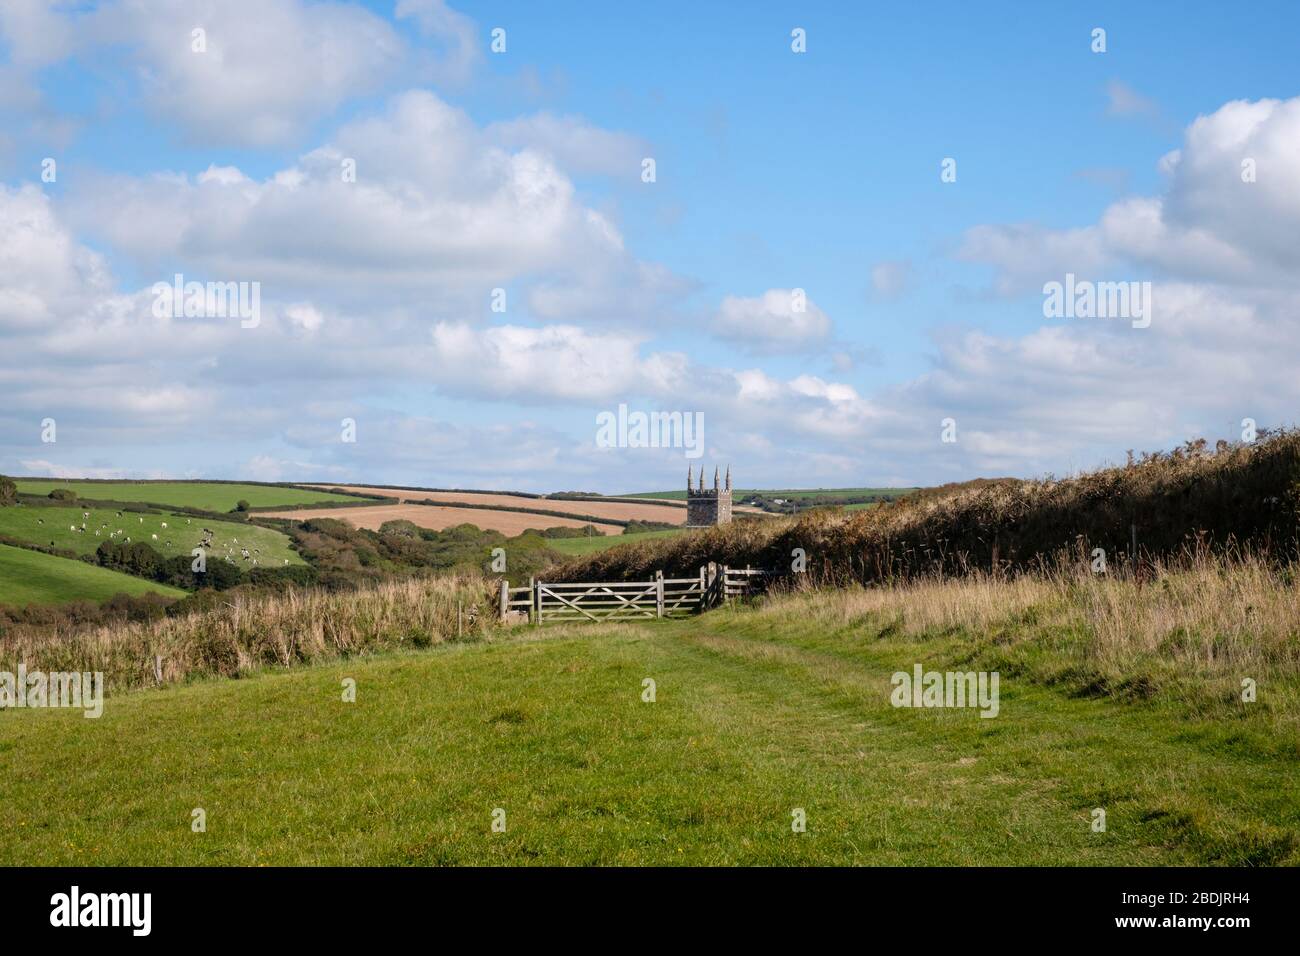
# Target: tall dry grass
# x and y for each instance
(1233, 496)
(247, 634)
(1201, 623)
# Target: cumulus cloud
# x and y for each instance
(1062, 393)
(435, 209)
(1229, 213)
(777, 320)
(266, 70)
(574, 143)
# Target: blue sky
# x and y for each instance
(521, 170)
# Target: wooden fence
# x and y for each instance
(556, 602)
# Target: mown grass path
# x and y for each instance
(750, 722)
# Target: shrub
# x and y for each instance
(63, 494)
(1236, 496)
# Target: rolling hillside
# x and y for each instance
(204, 495)
(29, 577)
(54, 527)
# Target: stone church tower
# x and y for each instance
(707, 508)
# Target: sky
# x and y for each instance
(462, 262)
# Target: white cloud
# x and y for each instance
(777, 320)
(437, 210)
(574, 143)
(270, 68)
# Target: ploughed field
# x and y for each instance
(509, 523)
(674, 513)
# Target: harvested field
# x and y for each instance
(613, 510)
(509, 523)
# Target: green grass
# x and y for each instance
(206, 495)
(29, 577)
(53, 527)
(756, 715)
(603, 542)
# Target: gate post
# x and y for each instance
(659, 594)
(534, 600)
(505, 598)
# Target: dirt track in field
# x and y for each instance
(509, 523)
(615, 510)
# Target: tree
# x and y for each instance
(8, 492)
(241, 505)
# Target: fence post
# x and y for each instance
(659, 594)
(505, 598)
(157, 668)
(537, 600)
(726, 598)
(460, 620)
(703, 591)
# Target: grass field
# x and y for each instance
(29, 577)
(53, 527)
(757, 713)
(206, 495)
(591, 545)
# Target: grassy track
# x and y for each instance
(28, 577)
(593, 544)
(756, 714)
(53, 527)
(207, 495)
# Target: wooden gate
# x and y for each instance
(554, 602)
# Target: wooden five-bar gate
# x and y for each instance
(555, 602)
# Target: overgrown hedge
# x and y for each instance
(1245, 495)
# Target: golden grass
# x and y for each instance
(1204, 622)
(245, 633)
(1233, 496)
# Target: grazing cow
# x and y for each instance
(85, 514)
(72, 527)
(40, 521)
(119, 514)
(154, 536)
(164, 524)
